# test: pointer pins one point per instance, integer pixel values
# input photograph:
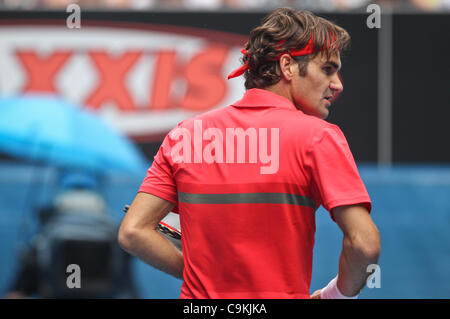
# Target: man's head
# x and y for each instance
(297, 53)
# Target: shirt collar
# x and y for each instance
(263, 98)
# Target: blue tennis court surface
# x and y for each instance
(411, 207)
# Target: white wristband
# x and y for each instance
(331, 291)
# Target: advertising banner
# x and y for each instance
(143, 80)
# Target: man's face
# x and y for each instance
(314, 92)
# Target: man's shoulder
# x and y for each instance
(295, 121)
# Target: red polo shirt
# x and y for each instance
(248, 222)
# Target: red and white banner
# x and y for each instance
(143, 79)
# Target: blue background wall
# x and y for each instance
(411, 207)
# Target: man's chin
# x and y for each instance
(324, 113)
(321, 112)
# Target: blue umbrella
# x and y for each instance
(46, 128)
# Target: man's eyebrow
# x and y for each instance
(334, 64)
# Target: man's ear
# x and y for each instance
(288, 67)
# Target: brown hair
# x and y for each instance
(294, 28)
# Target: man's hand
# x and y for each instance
(316, 294)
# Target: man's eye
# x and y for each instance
(328, 70)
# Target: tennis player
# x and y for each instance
(246, 179)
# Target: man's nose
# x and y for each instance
(336, 84)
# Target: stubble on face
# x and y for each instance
(313, 91)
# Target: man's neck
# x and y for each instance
(281, 90)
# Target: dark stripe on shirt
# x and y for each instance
(246, 198)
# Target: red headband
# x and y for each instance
(307, 49)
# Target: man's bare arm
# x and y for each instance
(138, 235)
(360, 248)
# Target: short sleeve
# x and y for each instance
(159, 180)
(335, 180)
